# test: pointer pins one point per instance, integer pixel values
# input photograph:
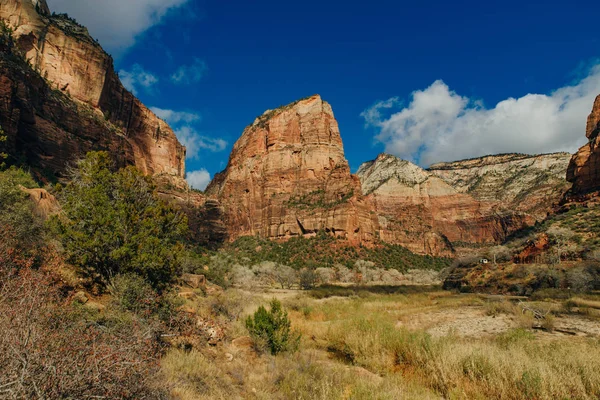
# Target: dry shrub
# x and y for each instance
(51, 350)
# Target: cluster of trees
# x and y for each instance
(119, 235)
(227, 270)
(114, 223)
(324, 251)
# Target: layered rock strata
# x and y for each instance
(529, 184)
(462, 204)
(72, 63)
(288, 176)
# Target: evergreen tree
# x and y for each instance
(114, 223)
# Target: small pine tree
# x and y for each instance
(272, 329)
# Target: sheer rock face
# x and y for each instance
(584, 170)
(45, 127)
(288, 176)
(453, 205)
(73, 63)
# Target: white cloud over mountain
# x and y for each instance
(116, 23)
(198, 179)
(441, 125)
(175, 117)
(137, 77)
(187, 74)
(195, 142)
(182, 123)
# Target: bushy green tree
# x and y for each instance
(114, 223)
(273, 329)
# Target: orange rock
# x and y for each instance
(73, 63)
(288, 176)
(44, 204)
(584, 170)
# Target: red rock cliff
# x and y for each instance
(73, 63)
(461, 204)
(288, 176)
(584, 170)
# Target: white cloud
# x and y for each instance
(116, 23)
(183, 125)
(194, 142)
(198, 179)
(137, 77)
(187, 74)
(441, 125)
(175, 117)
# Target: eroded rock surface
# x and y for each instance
(43, 113)
(288, 176)
(454, 205)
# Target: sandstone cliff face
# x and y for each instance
(584, 169)
(73, 63)
(288, 176)
(514, 182)
(460, 204)
(45, 127)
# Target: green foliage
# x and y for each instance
(317, 199)
(16, 210)
(131, 293)
(8, 48)
(273, 329)
(114, 223)
(20, 229)
(325, 250)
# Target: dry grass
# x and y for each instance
(352, 348)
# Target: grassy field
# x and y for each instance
(395, 344)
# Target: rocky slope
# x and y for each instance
(584, 169)
(76, 102)
(288, 176)
(514, 182)
(461, 204)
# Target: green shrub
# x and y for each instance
(114, 223)
(272, 329)
(132, 293)
(20, 229)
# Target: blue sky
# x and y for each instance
(426, 81)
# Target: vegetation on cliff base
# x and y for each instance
(325, 250)
(114, 223)
(20, 230)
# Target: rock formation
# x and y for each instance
(461, 204)
(77, 103)
(529, 184)
(288, 176)
(584, 170)
(44, 204)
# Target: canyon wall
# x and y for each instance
(461, 204)
(288, 176)
(584, 169)
(72, 63)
